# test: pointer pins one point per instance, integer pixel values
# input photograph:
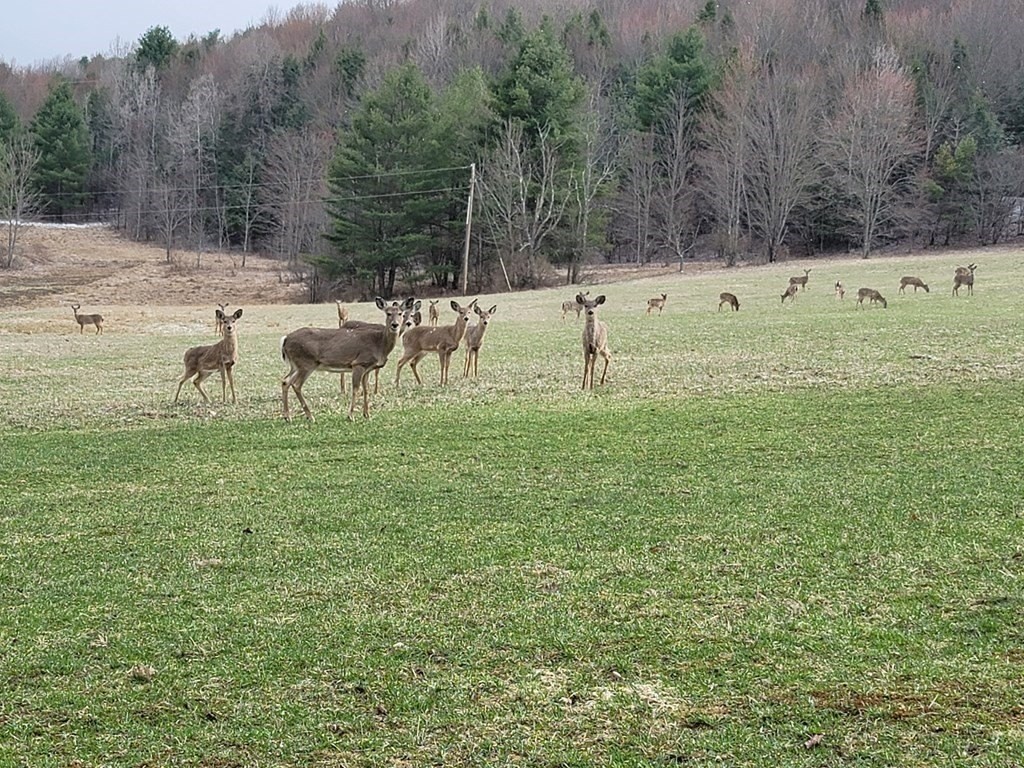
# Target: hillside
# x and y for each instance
(94, 265)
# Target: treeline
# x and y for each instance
(348, 141)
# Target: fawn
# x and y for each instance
(873, 295)
(790, 292)
(730, 299)
(964, 276)
(917, 282)
(840, 290)
(433, 313)
(573, 306)
(200, 362)
(657, 303)
(444, 340)
(801, 281)
(475, 338)
(84, 320)
(595, 340)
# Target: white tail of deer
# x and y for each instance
(964, 276)
(801, 281)
(345, 350)
(84, 320)
(475, 338)
(595, 340)
(730, 299)
(790, 292)
(917, 282)
(657, 303)
(200, 362)
(873, 295)
(840, 290)
(444, 340)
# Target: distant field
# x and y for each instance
(790, 535)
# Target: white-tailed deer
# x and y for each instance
(595, 340)
(408, 313)
(657, 303)
(801, 281)
(790, 293)
(730, 299)
(961, 276)
(840, 290)
(475, 338)
(218, 324)
(84, 320)
(345, 350)
(342, 314)
(573, 306)
(433, 314)
(444, 340)
(873, 295)
(200, 362)
(917, 282)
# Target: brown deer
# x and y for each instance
(873, 295)
(801, 281)
(657, 303)
(790, 293)
(475, 338)
(345, 350)
(572, 306)
(200, 362)
(964, 276)
(342, 314)
(595, 340)
(433, 313)
(444, 340)
(917, 282)
(218, 323)
(408, 315)
(730, 299)
(84, 320)
(840, 289)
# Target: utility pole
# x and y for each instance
(469, 229)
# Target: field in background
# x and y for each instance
(786, 535)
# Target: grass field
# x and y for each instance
(790, 535)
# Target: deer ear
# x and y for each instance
(380, 303)
(417, 305)
(599, 299)
(220, 315)
(492, 310)
(455, 305)
(478, 310)
(238, 314)
(580, 299)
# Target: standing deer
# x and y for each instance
(801, 281)
(475, 338)
(790, 293)
(595, 340)
(917, 282)
(84, 320)
(218, 323)
(342, 314)
(434, 314)
(200, 362)
(572, 306)
(657, 303)
(730, 299)
(840, 290)
(444, 340)
(873, 295)
(961, 276)
(409, 311)
(353, 350)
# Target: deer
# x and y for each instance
(475, 338)
(840, 290)
(961, 276)
(444, 340)
(408, 314)
(200, 362)
(345, 350)
(218, 324)
(84, 320)
(917, 282)
(342, 314)
(658, 303)
(572, 306)
(434, 315)
(801, 281)
(730, 299)
(595, 339)
(873, 295)
(790, 292)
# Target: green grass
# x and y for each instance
(769, 526)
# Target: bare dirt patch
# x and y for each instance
(96, 266)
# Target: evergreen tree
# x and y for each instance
(9, 123)
(684, 69)
(65, 156)
(156, 48)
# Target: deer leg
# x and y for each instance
(413, 365)
(230, 369)
(607, 359)
(182, 380)
(197, 382)
(376, 380)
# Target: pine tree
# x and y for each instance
(65, 156)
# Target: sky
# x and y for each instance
(39, 31)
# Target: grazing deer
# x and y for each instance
(657, 303)
(572, 306)
(595, 340)
(408, 311)
(873, 295)
(790, 293)
(917, 282)
(353, 350)
(342, 314)
(840, 290)
(444, 340)
(475, 338)
(218, 323)
(801, 281)
(84, 320)
(730, 299)
(200, 362)
(434, 314)
(961, 276)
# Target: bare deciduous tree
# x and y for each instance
(295, 172)
(674, 194)
(636, 195)
(17, 197)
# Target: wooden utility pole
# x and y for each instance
(469, 229)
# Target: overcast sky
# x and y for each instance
(38, 31)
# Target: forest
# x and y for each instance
(356, 142)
